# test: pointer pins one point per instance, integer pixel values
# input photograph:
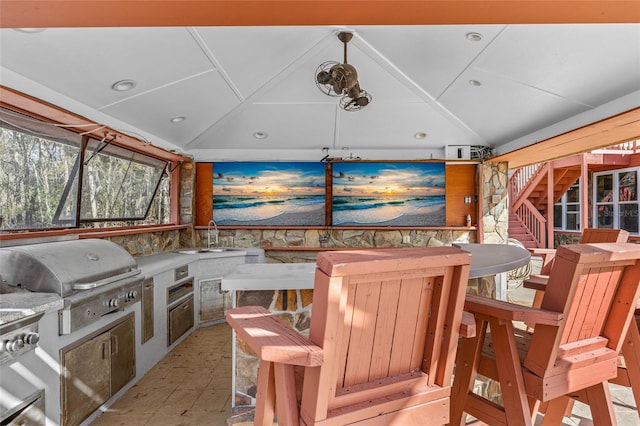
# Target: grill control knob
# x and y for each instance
(31, 338)
(14, 345)
(3, 346)
(114, 303)
(132, 294)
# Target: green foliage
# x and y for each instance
(39, 185)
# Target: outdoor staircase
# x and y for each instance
(518, 231)
(528, 195)
(529, 192)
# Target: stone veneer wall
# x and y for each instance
(336, 238)
(495, 202)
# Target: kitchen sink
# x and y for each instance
(9, 289)
(209, 250)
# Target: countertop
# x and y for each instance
(487, 259)
(161, 262)
(270, 276)
(15, 306)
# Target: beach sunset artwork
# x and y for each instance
(388, 194)
(269, 193)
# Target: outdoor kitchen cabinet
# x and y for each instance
(96, 368)
(212, 301)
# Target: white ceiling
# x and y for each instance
(230, 82)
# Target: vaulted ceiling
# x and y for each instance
(247, 92)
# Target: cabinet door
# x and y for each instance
(86, 378)
(180, 320)
(123, 354)
(147, 310)
(213, 301)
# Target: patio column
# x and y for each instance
(584, 193)
(550, 201)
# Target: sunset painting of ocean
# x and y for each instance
(269, 193)
(388, 194)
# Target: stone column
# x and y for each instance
(495, 205)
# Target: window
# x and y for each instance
(616, 200)
(39, 175)
(566, 212)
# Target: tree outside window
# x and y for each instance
(40, 165)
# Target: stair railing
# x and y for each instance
(520, 178)
(533, 221)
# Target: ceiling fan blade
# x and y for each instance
(323, 77)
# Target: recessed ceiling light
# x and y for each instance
(475, 83)
(420, 135)
(473, 36)
(124, 85)
(260, 135)
(177, 119)
(30, 30)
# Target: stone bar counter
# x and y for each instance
(285, 289)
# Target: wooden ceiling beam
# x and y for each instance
(116, 13)
(617, 129)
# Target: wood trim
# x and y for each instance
(204, 194)
(32, 107)
(91, 232)
(131, 231)
(102, 13)
(610, 131)
(174, 193)
(460, 181)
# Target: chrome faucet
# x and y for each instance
(215, 233)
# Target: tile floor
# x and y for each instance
(192, 386)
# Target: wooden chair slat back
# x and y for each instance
(383, 315)
(603, 235)
(595, 286)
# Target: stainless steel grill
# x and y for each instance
(95, 277)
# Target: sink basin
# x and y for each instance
(219, 249)
(208, 250)
(9, 289)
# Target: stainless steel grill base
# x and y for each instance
(85, 308)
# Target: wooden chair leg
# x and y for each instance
(266, 395)
(599, 397)
(466, 372)
(286, 401)
(631, 353)
(556, 410)
(516, 404)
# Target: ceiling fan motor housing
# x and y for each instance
(341, 79)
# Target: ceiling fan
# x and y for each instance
(341, 79)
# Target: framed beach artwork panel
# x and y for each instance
(269, 193)
(388, 194)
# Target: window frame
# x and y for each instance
(615, 202)
(564, 203)
(33, 108)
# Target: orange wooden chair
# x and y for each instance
(629, 367)
(382, 343)
(589, 235)
(573, 350)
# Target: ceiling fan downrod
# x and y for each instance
(345, 38)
